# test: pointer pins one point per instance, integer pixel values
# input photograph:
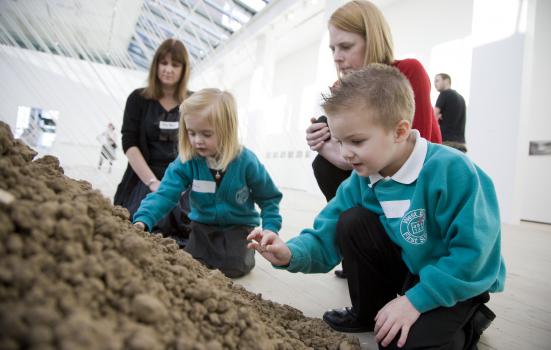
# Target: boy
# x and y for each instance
(414, 219)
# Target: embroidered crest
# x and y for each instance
(242, 195)
(413, 228)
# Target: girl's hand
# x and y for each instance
(398, 315)
(139, 225)
(270, 246)
(317, 134)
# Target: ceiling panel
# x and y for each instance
(123, 33)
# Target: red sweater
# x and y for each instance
(423, 119)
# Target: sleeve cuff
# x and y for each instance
(297, 260)
(421, 299)
(272, 228)
(148, 224)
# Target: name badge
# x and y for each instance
(168, 125)
(203, 186)
(395, 209)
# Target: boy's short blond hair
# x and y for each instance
(381, 89)
(220, 108)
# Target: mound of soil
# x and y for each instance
(75, 274)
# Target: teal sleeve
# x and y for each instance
(315, 250)
(265, 194)
(466, 208)
(157, 204)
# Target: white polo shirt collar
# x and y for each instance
(410, 170)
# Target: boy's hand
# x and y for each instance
(270, 246)
(139, 225)
(316, 134)
(397, 315)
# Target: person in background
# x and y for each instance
(416, 224)
(150, 134)
(359, 35)
(226, 180)
(108, 151)
(451, 113)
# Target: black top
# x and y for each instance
(154, 130)
(453, 109)
(161, 132)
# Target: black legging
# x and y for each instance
(328, 176)
(376, 274)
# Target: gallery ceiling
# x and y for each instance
(123, 33)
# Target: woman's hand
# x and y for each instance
(139, 225)
(270, 246)
(154, 186)
(398, 315)
(317, 134)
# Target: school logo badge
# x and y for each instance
(413, 228)
(242, 195)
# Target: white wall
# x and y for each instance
(533, 190)
(437, 33)
(494, 110)
(88, 96)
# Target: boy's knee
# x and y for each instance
(350, 221)
(234, 273)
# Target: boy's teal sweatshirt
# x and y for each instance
(439, 208)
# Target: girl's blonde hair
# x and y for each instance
(220, 109)
(177, 51)
(364, 18)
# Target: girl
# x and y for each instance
(226, 181)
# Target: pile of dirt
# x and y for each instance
(75, 274)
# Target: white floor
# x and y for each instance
(523, 310)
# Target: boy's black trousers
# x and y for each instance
(376, 274)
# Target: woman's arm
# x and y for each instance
(140, 167)
(132, 122)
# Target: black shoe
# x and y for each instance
(345, 320)
(340, 273)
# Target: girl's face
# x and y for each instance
(169, 71)
(348, 50)
(201, 135)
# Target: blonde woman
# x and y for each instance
(359, 35)
(226, 181)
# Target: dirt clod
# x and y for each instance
(75, 274)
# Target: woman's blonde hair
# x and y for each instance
(220, 109)
(177, 51)
(364, 18)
